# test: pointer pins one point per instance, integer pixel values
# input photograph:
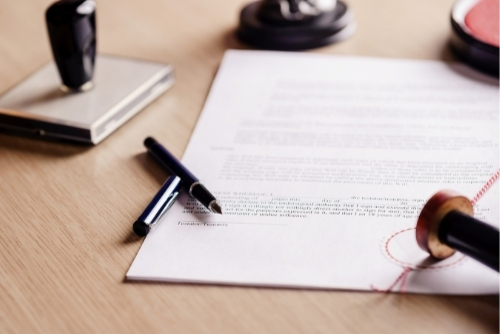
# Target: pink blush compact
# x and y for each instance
(475, 38)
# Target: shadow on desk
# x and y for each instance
(132, 238)
(39, 146)
(481, 310)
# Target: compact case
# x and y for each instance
(267, 31)
(475, 33)
(122, 87)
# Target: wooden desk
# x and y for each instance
(66, 210)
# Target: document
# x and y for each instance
(322, 164)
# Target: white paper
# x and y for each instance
(318, 162)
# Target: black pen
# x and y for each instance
(160, 204)
(194, 186)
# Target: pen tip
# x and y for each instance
(215, 207)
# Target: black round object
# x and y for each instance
(471, 237)
(480, 55)
(326, 28)
(149, 141)
(141, 229)
(72, 34)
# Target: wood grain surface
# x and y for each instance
(66, 210)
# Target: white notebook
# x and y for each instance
(322, 164)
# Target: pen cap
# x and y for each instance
(72, 33)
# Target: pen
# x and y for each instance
(160, 204)
(191, 183)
